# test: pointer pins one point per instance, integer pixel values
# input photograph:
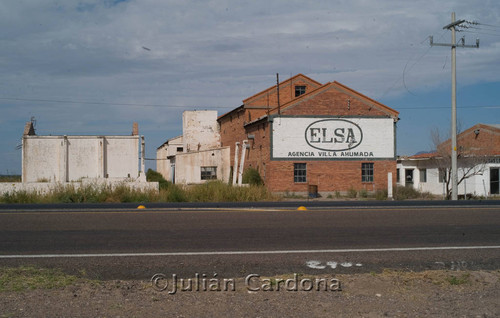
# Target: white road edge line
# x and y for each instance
(397, 249)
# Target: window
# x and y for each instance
(423, 175)
(299, 90)
(367, 172)
(299, 172)
(179, 149)
(397, 175)
(442, 175)
(208, 173)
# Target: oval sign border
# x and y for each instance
(348, 121)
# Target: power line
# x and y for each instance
(106, 103)
(475, 32)
(447, 107)
(478, 23)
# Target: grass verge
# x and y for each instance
(28, 278)
(214, 191)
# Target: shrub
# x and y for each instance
(352, 193)
(10, 178)
(405, 193)
(154, 176)
(252, 177)
(363, 193)
(381, 195)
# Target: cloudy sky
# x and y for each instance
(94, 67)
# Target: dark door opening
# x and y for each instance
(494, 180)
(408, 177)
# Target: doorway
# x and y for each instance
(494, 180)
(409, 177)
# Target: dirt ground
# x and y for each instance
(386, 294)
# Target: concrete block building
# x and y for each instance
(196, 156)
(73, 158)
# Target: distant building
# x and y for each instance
(196, 156)
(478, 151)
(73, 158)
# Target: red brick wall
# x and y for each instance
(332, 101)
(329, 176)
(269, 98)
(486, 142)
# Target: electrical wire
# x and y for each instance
(441, 107)
(105, 103)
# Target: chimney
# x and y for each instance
(29, 130)
(135, 129)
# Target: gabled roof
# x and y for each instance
(168, 141)
(320, 88)
(462, 141)
(338, 86)
(285, 82)
(495, 128)
(231, 111)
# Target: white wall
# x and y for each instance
(332, 138)
(163, 163)
(200, 130)
(70, 158)
(478, 184)
(188, 165)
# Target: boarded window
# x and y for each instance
(423, 175)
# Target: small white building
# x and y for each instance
(165, 157)
(73, 158)
(196, 156)
(478, 165)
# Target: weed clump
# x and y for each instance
(352, 193)
(252, 176)
(408, 193)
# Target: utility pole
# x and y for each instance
(453, 45)
(278, 92)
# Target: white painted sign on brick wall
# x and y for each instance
(332, 138)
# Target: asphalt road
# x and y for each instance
(122, 242)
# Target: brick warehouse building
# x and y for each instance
(326, 136)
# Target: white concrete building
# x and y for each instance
(165, 157)
(196, 156)
(50, 163)
(478, 165)
(73, 158)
